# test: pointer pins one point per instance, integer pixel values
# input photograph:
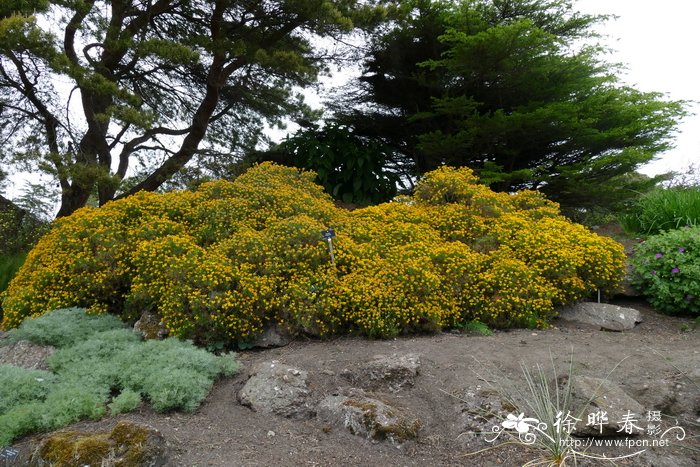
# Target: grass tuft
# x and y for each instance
(476, 327)
(663, 209)
(543, 401)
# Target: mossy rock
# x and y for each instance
(370, 418)
(127, 445)
(150, 326)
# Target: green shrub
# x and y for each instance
(171, 373)
(351, 168)
(20, 385)
(9, 265)
(220, 263)
(19, 230)
(89, 367)
(69, 403)
(63, 327)
(96, 361)
(127, 401)
(64, 404)
(667, 270)
(20, 420)
(663, 209)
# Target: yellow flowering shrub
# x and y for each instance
(534, 204)
(447, 185)
(222, 262)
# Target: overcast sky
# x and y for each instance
(658, 41)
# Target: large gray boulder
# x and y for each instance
(610, 317)
(392, 372)
(594, 395)
(369, 418)
(278, 389)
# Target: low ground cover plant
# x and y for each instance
(108, 370)
(219, 263)
(667, 270)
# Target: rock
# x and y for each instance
(669, 397)
(479, 410)
(591, 395)
(393, 372)
(694, 376)
(369, 418)
(651, 458)
(127, 445)
(658, 395)
(610, 317)
(150, 326)
(278, 389)
(272, 336)
(626, 287)
(26, 354)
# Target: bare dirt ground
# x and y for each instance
(660, 354)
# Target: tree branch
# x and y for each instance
(48, 120)
(72, 28)
(216, 78)
(133, 145)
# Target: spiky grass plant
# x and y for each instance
(547, 400)
(663, 209)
